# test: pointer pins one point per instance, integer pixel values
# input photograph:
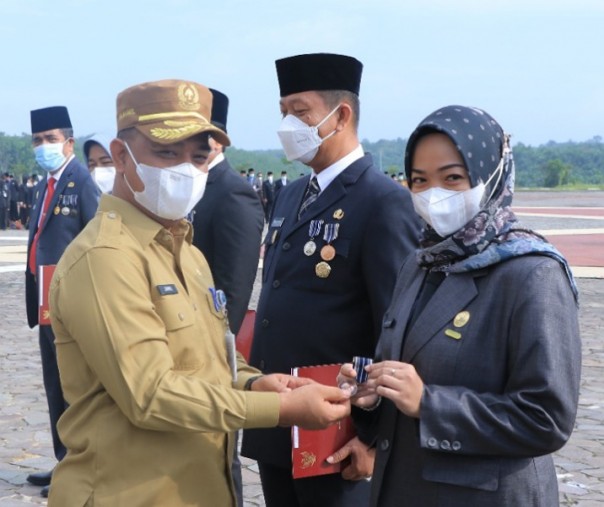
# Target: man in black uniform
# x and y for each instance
(4, 201)
(335, 243)
(227, 225)
(268, 192)
(281, 182)
(64, 202)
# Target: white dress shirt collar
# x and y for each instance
(327, 175)
(217, 159)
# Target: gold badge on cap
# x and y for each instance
(188, 97)
(322, 269)
(461, 319)
(338, 214)
(71, 184)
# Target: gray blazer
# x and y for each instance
(501, 390)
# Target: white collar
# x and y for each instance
(217, 159)
(327, 175)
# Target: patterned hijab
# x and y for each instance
(494, 235)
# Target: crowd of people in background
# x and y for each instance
(16, 200)
(16, 194)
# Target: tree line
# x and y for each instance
(548, 165)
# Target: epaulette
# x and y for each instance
(111, 224)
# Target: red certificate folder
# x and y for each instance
(245, 336)
(44, 277)
(310, 448)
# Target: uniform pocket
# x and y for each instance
(464, 471)
(175, 312)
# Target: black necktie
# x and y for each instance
(311, 195)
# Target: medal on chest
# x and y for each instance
(328, 252)
(314, 229)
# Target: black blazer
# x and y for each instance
(227, 224)
(78, 193)
(501, 387)
(306, 320)
(279, 186)
(268, 190)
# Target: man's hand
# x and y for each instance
(279, 383)
(361, 460)
(313, 406)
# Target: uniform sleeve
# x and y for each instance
(392, 233)
(237, 235)
(109, 314)
(536, 412)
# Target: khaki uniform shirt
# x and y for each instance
(143, 363)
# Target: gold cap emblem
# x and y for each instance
(188, 98)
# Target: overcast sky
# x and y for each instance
(535, 65)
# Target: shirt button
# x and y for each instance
(111, 215)
(286, 246)
(432, 442)
(445, 445)
(265, 323)
(456, 445)
(276, 284)
(384, 444)
(261, 364)
(194, 307)
(181, 316)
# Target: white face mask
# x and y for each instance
(170, 192)
(299, 140)
(447, 211)
(104, 177)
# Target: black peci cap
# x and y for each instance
(318, 71)
(49, 118)
(220, 109)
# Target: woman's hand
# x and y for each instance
(399, 382)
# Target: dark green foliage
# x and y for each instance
(550, 164)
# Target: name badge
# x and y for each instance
(167, 290)
(277, 222)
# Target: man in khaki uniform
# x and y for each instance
(140, 329)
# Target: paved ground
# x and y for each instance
(25, 444)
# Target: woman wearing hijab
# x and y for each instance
(99, 161)
(479, 358)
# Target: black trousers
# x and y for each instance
(52, 386)
(280, 489)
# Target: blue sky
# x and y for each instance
(535, 65)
